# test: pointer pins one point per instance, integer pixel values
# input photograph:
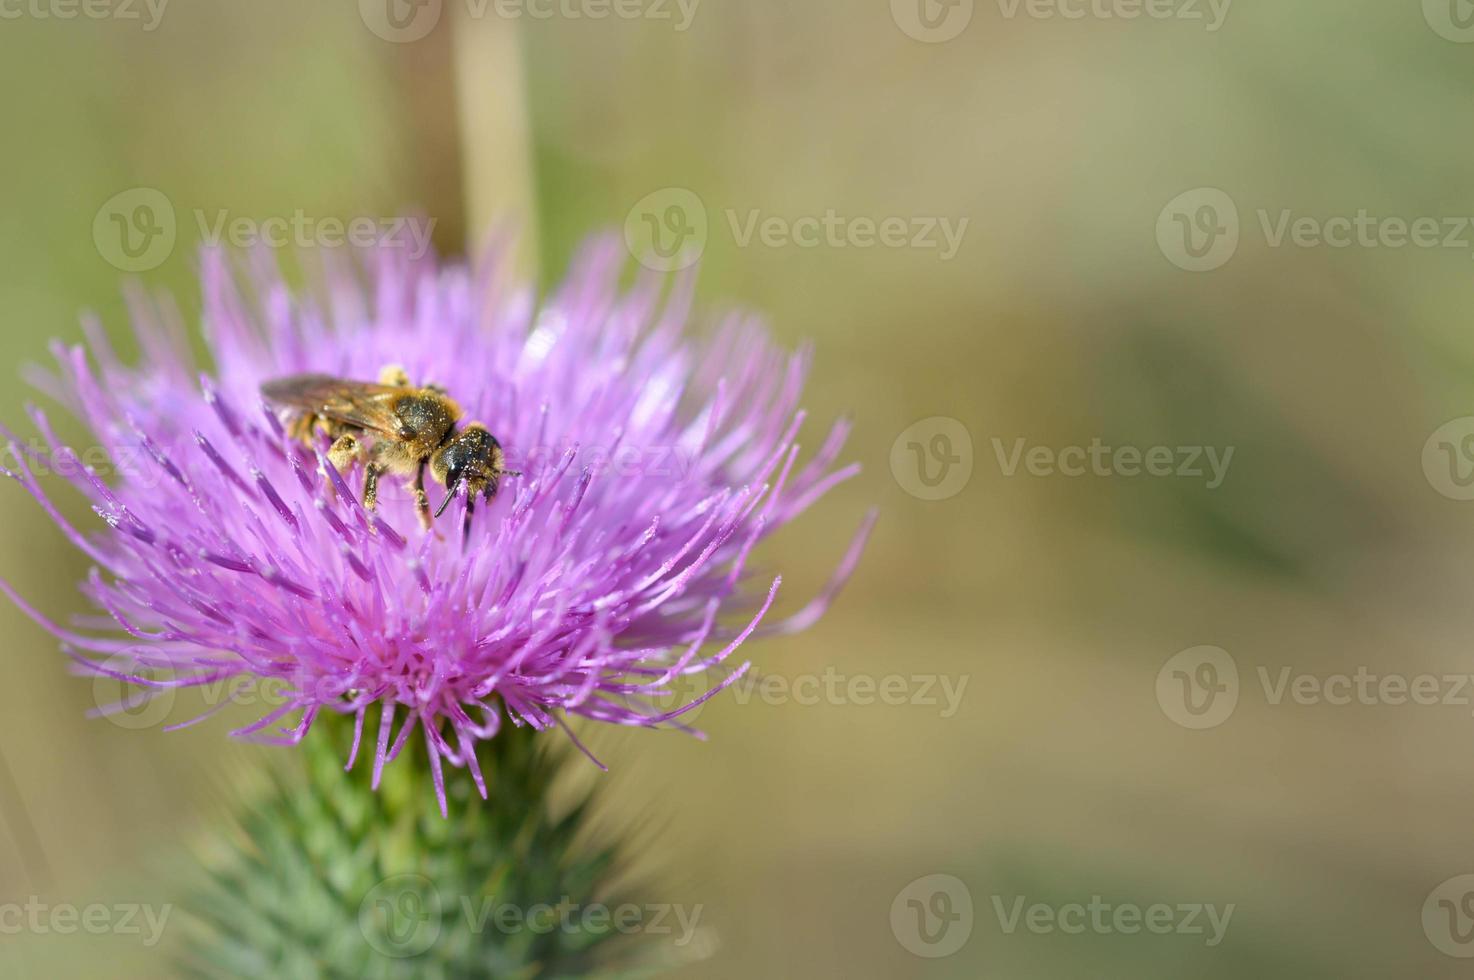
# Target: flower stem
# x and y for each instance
(334, 879)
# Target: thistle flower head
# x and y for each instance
(612, 568)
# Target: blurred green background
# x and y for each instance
(1065, 316)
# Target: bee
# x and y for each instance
(395, 427)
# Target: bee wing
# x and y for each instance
(356, 403)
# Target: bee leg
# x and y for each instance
(470, 511)
(301, 428)
(343, 452)
(422, 502)
(395, 376)
(371, 484)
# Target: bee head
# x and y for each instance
(472, 460)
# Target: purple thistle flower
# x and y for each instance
(593, 582)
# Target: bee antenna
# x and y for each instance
(451, 489)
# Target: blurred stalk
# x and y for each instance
(424, 76)
(496, 141)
